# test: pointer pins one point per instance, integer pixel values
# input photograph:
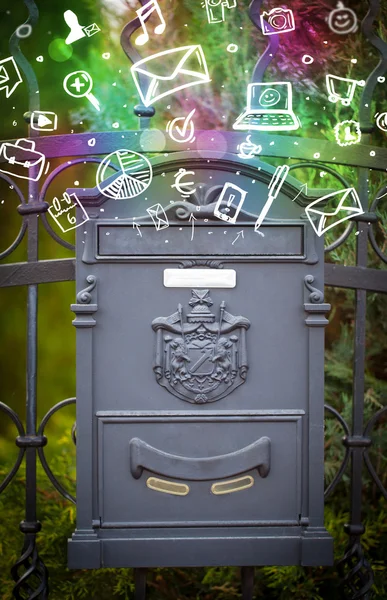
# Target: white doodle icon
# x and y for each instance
(216, 9)
(184, 133)
(381, 121)
(143, 13)
(248, 150)
(77, 31)
(9, 76)
(278, 20)
(184, 187)
(79, 85)
(347, 133)
(158, 216)
(190, 68)
(322, 219)
(134, 175)
(342, 20)
(22, 156)
(44, 120)
(269, 108)
(342, 89)
(64, 212)
(274, 188)
(230, 202)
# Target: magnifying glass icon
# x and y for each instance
(79, 85)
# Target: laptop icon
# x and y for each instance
(269, 108)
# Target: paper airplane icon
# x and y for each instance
(9, 76)
(43, 120)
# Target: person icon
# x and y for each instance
(76, 30)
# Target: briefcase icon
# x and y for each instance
(154, 81)
(21, 156)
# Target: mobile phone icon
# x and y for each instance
(230, 203)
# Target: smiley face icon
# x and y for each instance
(342, 20)
(269, 97)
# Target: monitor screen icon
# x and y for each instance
(269, 108)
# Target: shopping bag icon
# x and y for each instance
(189, 68)
(322, 219)
(20, 156)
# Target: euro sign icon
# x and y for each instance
(9, 76)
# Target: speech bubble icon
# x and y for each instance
(9, 76)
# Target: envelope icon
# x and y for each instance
(91, 29)
(155, 78)
(348, 205)
(158, 216)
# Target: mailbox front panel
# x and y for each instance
(199, 406)
(157, 464)
(270, 297)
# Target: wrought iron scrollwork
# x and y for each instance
(19, 425)
(382, 193)
(42, 457)
(356, 572)
(316, 296)
(367, 431)
(272, 47)
(84, 296)
(29, 572)
(23, 226)
(337, 478)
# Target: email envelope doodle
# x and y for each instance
(201, 358)
(167, 72)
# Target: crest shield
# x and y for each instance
(200, 359)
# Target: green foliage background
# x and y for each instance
(217, 106)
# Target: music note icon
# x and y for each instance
(143, 13)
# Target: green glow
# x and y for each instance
(59, 50)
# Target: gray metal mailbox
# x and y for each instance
(200, 380)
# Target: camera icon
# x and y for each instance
(278, 20)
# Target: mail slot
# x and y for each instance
(199, 375)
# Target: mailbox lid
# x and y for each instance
(168, 484)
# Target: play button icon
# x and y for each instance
(44, 121)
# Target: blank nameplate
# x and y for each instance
(207, 278)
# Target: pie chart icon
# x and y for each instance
(134, 175)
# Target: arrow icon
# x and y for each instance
(9, 73)
(239, 234)
(138, 228)
(303, 190)
(192, 219)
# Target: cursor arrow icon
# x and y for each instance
(137, 226)
(192, 219)
(303, 190)
(9, 76)
(239, 234)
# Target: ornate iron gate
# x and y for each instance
(29, 573)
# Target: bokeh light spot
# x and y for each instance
(59, 50)
(211, 140)
(152, 140)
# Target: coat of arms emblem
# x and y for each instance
(200, 359)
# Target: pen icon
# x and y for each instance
(275, 186)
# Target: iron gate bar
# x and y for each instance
(289, 147)
(56, 270)
(357, 577)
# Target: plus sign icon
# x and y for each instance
(79, 84)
